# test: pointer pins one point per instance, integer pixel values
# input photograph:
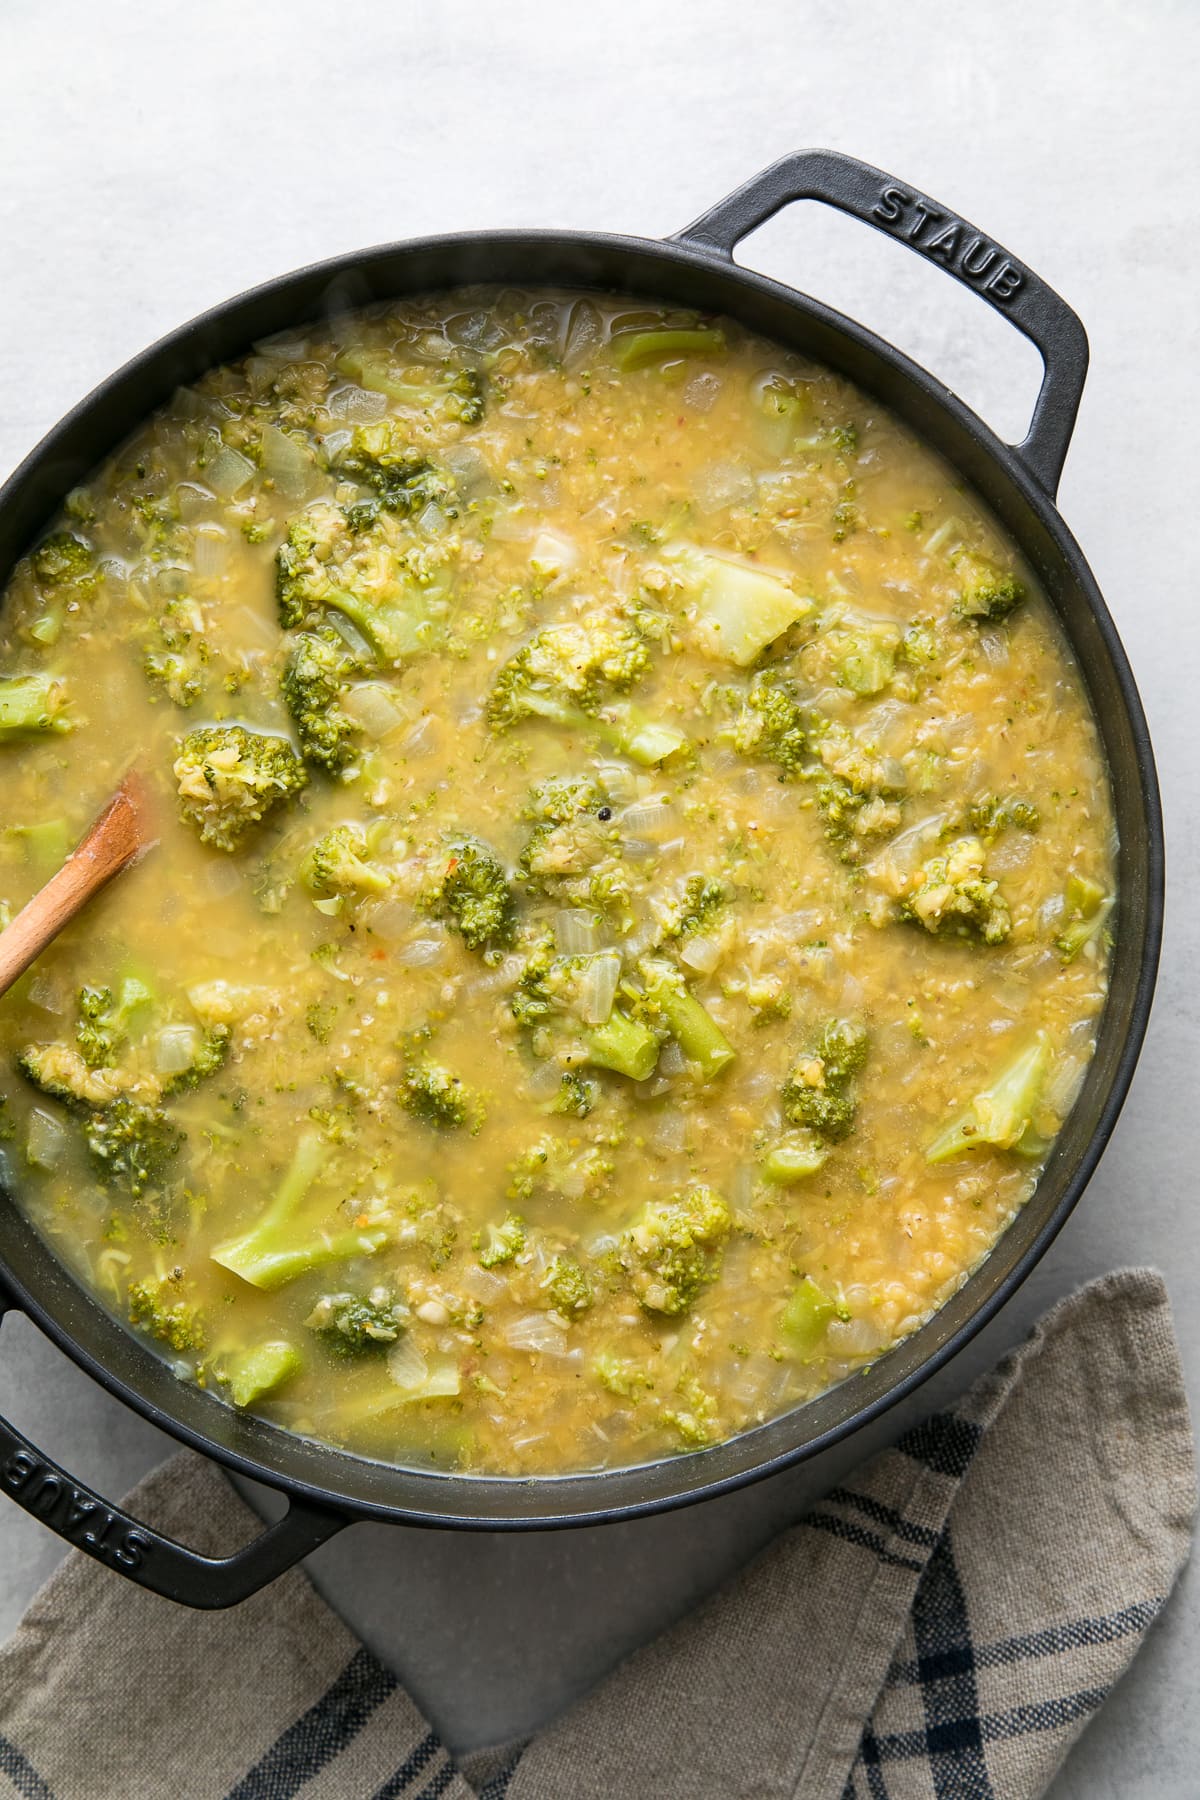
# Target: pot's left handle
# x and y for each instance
(942, 238)
(122, 1543)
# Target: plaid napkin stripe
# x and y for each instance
(941, 1628)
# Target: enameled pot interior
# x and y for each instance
(128, 1368)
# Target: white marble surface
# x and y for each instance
(156, 160)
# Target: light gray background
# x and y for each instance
(157, 158)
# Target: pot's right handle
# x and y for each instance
(104, 1531)
(941, 237)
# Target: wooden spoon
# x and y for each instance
(121, 831)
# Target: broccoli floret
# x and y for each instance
(554, 1166)
(60, 1072)
(470, 890)
(573, 851)
(368, 568)
(736, 609)
(693, 1028)
(448, 396)
(179, 655)
(793, 1157)
(568, 1286)
(132, 1144)
(230, 778)
(770, 725)
(805, 1317)
(437, 1097)
(316, 671)
(667, 343)
(381, 457)
(857, 791)
(817, 1093)
(276, 1250)
(32, 704)
(104, 1019)
(158, 1308)
(990, 814)
(695, 909)
(64, 561)
(546, 993)
(576, 1095)
(498, 1244)
(950, 896)
(338, 864)
(1087, 908)
(211, 1056)
(987, 593)
(351, 1324)
(673, 1248)
(1001, 1116)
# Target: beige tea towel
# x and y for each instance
(943, 1625)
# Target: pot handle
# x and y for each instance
(941, 237)
(115, 1538)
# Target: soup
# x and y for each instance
(631, 905)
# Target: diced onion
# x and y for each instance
(46, 1140)
(229, 472)
(577, 933)
(722, 484)
(598, 987)
(538, 1332)
(416, 1379)
(357, 403)
(702, 954)
(422, 952)
(552, 554)
(392, 920)
(288, 463)
(376, 707)
(175, 1049)
(649, 819)
(210, 552)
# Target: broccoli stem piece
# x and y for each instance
(805, 1317)
(256, 1372)
(644, 741)
(694, 1030)
(793, 1157)
(623, 1045)
(1000, 1117)
(1088, 907)
(271, 1252)
(637, 348)
(30, 704)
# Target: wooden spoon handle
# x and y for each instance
(113, 841)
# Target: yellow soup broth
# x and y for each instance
(631, 903)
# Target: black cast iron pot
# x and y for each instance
(328, 1488)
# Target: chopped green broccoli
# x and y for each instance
(338, 864)
(211, 1055)
(987, 593)
(570, 668)
(367, 569)
(157, 1307)
(738, 608)
(351, 1324)
(991, 814)
(437, 1097)
(252, 1374)
(315, 674)
(274, 1250)
(698, 906)
(179, 654)
(60, 1072)
(553, 1165)
(546, 992)
(673, 1248)
(31, 704)
(471, 891)
(381, 457)
(569, 1287)
(793, 1157)
(636, 349)
(1001, 1116)
(623, 1045)
(132, 1144)
(817, 1093)
(693, 1028)
(104, 1019)
(1087, 908)
(63, 560)
(497, 1244)
(576, 1095)
(449, 396)
(805, 1317)
(230, 778)
(770, 725)
(951, 896)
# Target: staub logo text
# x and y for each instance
(940, 234)
(72, 1511)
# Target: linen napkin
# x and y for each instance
(944, 1625)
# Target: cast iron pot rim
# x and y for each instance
(692, 1486)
